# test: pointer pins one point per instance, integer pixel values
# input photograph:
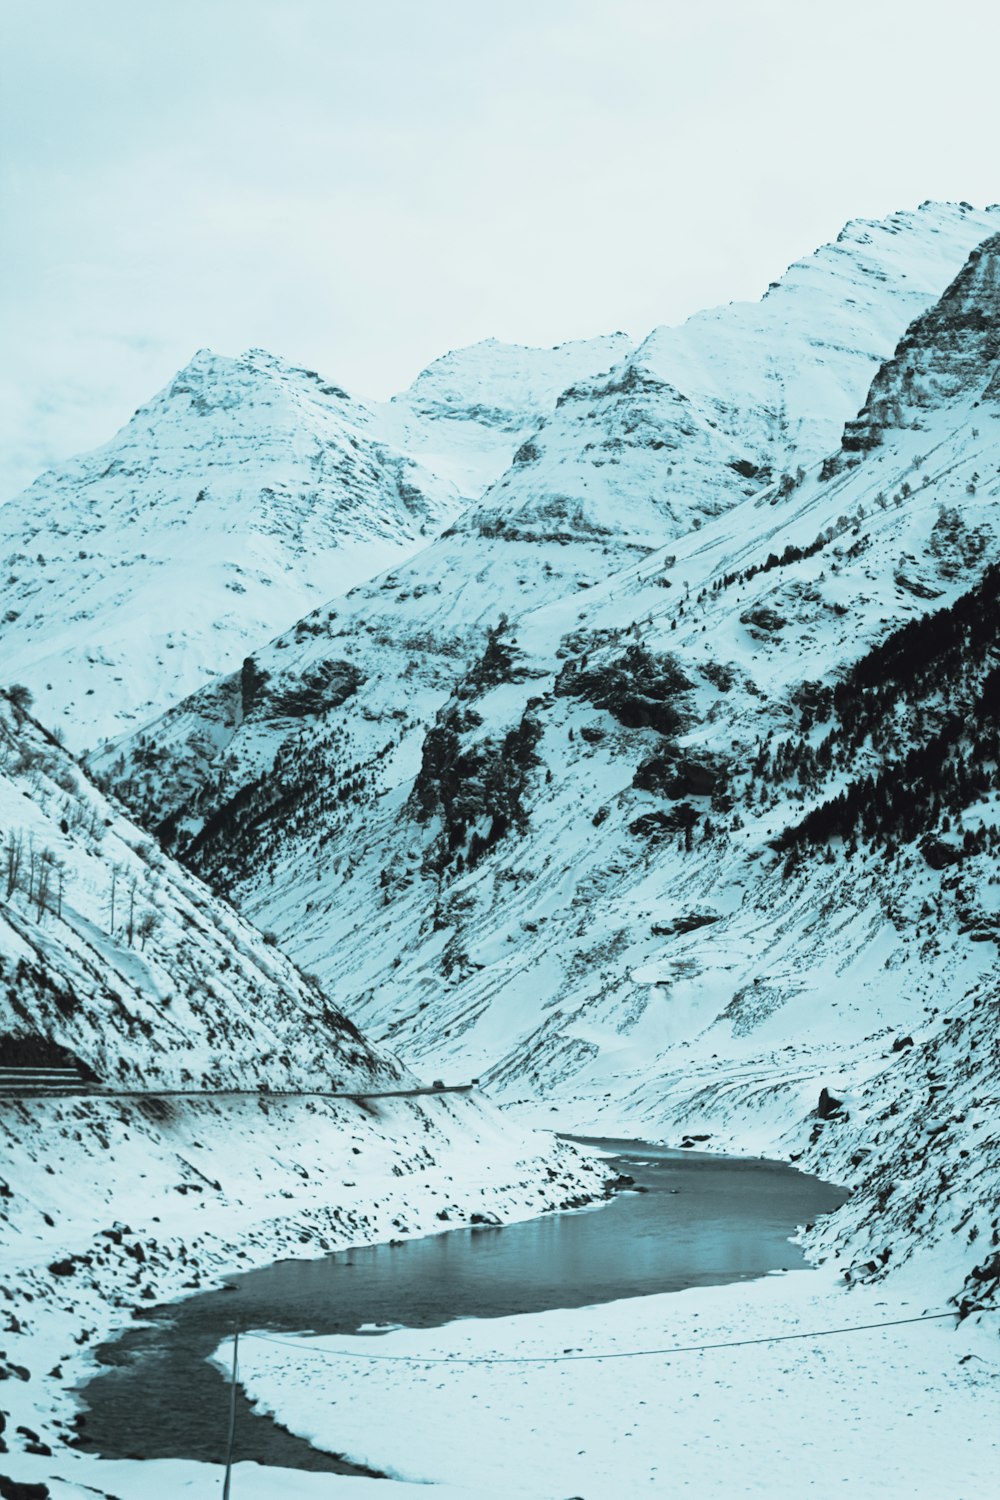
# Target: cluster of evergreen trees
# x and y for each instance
(477, 790)
(307, 788)
(928, 700)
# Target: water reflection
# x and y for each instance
(703, 1220)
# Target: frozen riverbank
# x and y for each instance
(905, 1410)
(119, 1206)
(697, 1221)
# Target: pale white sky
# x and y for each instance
(363, 186)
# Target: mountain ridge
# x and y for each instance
(570, 875)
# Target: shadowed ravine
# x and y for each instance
(704, 1220)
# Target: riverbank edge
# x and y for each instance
(88, 1241)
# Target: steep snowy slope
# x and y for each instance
(112, 956)
(590, 886)
(112, 952)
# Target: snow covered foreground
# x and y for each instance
(146, 1204)
(902, 1410)
(116, 961)
(905, 1410)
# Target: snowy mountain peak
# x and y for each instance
(950, 352)
(702, 415)
(243, 494)
(210, 383)
(508, 385)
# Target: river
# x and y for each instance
(703, 1220)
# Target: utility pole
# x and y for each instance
(232, 1418)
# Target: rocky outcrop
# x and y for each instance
(950, 350)
(640, 689)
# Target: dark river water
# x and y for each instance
(704, 1220)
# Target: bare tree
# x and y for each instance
(20, 696)
(13, 852)
(116, 872)
(146, 926)
(43, 884)
(131, 908)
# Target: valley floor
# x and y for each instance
(107, 1208)
(897, 1411)
(905, 1410)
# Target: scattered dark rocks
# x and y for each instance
(640, 689)
(660, 825)
(679, 925)
(988, 1271)
(762, 620)
(672, 774)
(15, 1489)
(939, 854)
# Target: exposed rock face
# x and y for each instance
(479, 787)
(947, 353)
(638, 688)
(828, 1106)
(323, 685)
(675, 774)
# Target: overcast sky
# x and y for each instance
(363, 186)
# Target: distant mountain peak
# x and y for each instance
(500, 383)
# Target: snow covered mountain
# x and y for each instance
(704, 414)
(382, 660)
(684, 849)
(694, 840)
(250, 490)
(467, 414)
(242, 495)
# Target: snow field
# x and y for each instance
(900, 1412)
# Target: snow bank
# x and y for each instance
(903, 1410)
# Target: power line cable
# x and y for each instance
(556, 1359)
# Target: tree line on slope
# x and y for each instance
(927, 701)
